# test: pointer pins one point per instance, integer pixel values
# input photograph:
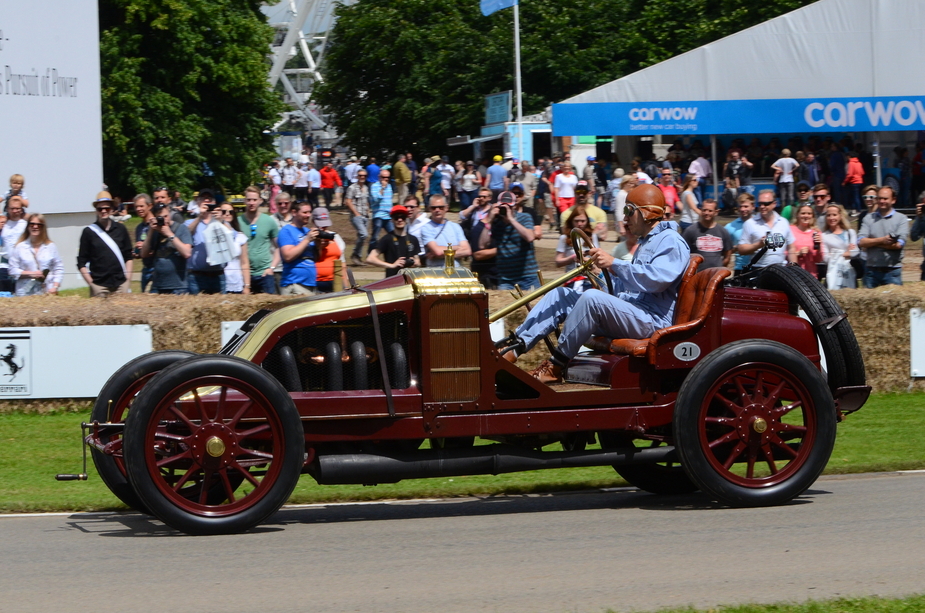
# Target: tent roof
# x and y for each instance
(829, 49)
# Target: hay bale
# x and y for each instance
(880, 319)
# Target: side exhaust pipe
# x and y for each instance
(369, 469)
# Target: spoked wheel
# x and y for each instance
(213, 422)
(578, 237)
(112, 405)
(666, 478)
(754, 423)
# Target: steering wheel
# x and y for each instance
(578, 236)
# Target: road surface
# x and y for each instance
(584, 552)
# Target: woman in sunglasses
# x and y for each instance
(34, 260)
(238, 270)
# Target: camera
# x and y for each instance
(894, 237)
(326, 236)
(161, 222)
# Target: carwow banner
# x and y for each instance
(896, 113)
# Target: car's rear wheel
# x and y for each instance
(112, 405)
(754, 423)
(665, 478)
(214, 422)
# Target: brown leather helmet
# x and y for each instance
(648, 199)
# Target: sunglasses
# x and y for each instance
(400, 217)
(361, 176)
(103, 208)
(822, 195)
(765, 203)
(227, 211)
(629, 209)
(36, 225)
(253, 230)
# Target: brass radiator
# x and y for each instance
(454, 349)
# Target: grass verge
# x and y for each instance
(883, 436)
(910, 604)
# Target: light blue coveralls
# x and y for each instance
(645, 292)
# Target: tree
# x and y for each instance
(184, 88)
(406, 74)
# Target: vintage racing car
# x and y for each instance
(395, 380)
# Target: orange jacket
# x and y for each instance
(855, 174)
(329, 177)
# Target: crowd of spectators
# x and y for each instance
(282, 241)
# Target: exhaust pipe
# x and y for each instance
(370, 469)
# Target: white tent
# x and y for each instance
(835, 65)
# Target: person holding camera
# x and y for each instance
(202, 276)
(296, 244)
(397, 249)
(883, 235)
(168, 244)
(512, 232)
(329, 247)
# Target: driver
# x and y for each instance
(644, 291)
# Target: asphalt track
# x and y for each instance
(622, 549)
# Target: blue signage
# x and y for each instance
(498, 107)
(896, 113)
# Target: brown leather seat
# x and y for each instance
(695, 297)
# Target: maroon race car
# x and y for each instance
(396, 380)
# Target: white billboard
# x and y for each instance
(50, 128)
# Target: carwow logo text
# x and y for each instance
(896, 114)
(663, 113)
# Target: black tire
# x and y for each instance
(760, 402)
(844, 363)
(399, 373)
(120, 391)
(333, 368)
(175, 437)
(665, 479)
(358, 365)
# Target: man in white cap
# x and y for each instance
(104, 257)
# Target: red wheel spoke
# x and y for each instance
(726, 438)
(736, 409)
(782, 445)
(246, 474)
(257, 454)
(253, 431)
(176, 411)
(202, 408)
(739, 448)
(742, 393)
(204, 486)
(721, 421)
(780, 411)
(185, 455)
(186, 477)
(792, 428)
(750, 470)
(227, 483)
(769, 458)
(759, 386)
(775, 393)
(220, 410)
(234, 420)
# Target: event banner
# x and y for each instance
(50, 103)
(739, 116)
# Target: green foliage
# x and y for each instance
(406, 75)
(184, 82)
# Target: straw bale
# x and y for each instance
(880, 319)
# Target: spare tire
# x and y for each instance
(844, 362)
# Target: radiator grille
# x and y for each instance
(454, 350)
